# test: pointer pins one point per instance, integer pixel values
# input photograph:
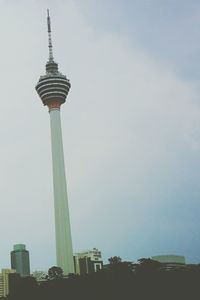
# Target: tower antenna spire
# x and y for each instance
(49, 36)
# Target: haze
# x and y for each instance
(131, 127)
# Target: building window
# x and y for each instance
(97, 267)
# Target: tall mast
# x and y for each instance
(49, 36)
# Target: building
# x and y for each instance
(88, 261)
(20, 260)
(170, 261)
(53, 89)
(40, 276)
(4, 282)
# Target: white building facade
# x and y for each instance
(4, 281)
(88, 261)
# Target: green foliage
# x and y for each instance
(122, 280)
(148, 265)
(55, 273)
(114, 260)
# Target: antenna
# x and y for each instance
(49, 36)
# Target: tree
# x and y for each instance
(55, 273)
(119, 267)
(149, 264)
(114, 260)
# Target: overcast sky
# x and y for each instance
(131, 127)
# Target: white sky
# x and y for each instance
(131, 128)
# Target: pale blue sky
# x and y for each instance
(167, 30)
(131, 127)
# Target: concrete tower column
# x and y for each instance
(62, 221)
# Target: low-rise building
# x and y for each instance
(4, 281)
(88, 261)
(170, 261)
(40, 276)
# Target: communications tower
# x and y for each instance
(53, 88)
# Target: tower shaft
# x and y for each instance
(53, 88)
(64, 250)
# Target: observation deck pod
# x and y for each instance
(54, 86)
